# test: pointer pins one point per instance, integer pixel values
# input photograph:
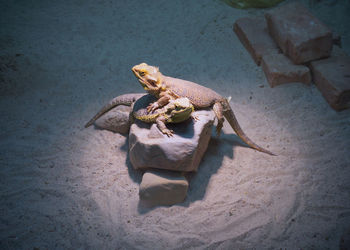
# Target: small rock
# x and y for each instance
(332, 78)
(253, 34)
(161, 187)
(149, 148)
(300, 35)
(279, 69)
(116, 120)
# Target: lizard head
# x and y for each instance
(149, 77)
(180, 110)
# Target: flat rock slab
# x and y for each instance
(149, 148)
(332, 78)
(300, 35)
(280, 69)
(161, 187)
(253, 34)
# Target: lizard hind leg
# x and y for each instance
(218, 110)
(161, 120)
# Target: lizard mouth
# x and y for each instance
(144, 85)
(148, 83)
(136, 73)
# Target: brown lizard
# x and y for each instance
(166, 88)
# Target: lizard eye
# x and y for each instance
(142, 73)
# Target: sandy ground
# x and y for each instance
(66, 187)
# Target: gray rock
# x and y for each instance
(116, 120)
(149, 148)
(161, 187)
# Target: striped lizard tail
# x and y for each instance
(127, 100)
(231, 118)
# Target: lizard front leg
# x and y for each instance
(162, 101)
(161, 126)
(218, 110)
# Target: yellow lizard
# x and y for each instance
(166, 88)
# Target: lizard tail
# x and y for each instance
(127, 100)
(231, 118)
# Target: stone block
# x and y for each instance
(280, 69)
(332, 78)
(160, 187)
(253, 34)
(149, 148)
(300, 35)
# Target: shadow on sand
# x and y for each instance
(211, 162)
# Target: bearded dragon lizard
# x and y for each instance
(166, 88)
(176, 111)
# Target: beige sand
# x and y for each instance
(66, 187)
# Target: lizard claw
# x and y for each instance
(152, 107)
(195, 118)
(168, 132)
